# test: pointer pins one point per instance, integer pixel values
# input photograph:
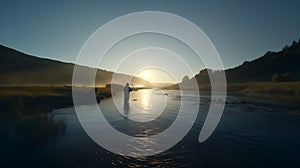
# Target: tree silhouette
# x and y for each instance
(286, 77)
(185, 79)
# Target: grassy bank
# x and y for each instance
(23, 100)
(288, 92)
(282, 91)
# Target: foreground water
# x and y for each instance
(251, 133)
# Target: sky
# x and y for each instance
(240, 30)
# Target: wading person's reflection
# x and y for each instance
(127, 89)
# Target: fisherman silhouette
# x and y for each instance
(127, 89)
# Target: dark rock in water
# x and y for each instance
(235, 102)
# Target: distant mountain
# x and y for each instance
(17, 68)
(263, 68)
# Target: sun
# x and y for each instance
(145, 74)
(155, 76)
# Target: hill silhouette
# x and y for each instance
(17, 68)
(263, 68)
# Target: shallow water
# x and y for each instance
(251, 133)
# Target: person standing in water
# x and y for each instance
(127, 89)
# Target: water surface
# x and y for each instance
(251, 133)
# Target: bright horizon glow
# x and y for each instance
(154, 75)
(146, 75)
(154, 51)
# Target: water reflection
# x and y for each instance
(146, 105)
(126, 107)
(31, 130)
(145, 99)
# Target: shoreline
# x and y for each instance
(24, 100)
(284, 92)
(20, 101)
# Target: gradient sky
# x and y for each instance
(240, 30)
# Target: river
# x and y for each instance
(251, 133)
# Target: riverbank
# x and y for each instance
(286, 92)
(24, 100)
